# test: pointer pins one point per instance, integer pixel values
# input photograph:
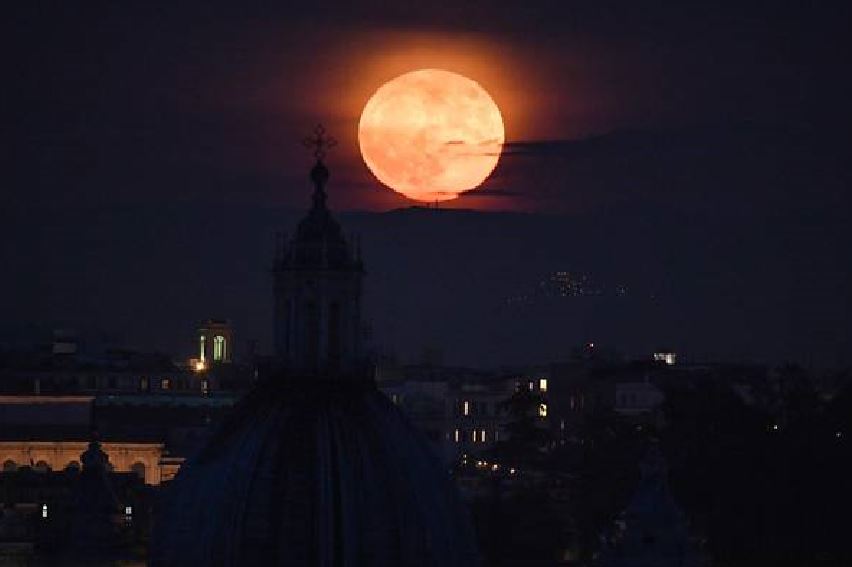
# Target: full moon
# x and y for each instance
(431, 134)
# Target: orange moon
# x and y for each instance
(431, 134)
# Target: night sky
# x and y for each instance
(697, 155)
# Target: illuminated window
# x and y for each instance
(473, 435)
(219, 348)
(466, 408)
(205, 386)
(202, 339)
(482, 436)
(395, 398)
(457, 436)
(542, 410)
(128, 510)
(531, 385)
(542, 384)
(44, 510)
(165, 384)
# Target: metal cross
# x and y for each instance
(319, 142)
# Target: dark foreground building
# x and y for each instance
(316, 466)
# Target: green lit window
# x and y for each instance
(202, 340)
(219, 348)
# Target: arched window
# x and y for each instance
(41, 466)
(334, 335)
(312, 329)
(139, 469)
(219, 348)
(10, 466)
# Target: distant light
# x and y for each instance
(839, 434)
(128, 510)
(495, 467)
(44, 510)
(774, 427)
(199, 366)
(542, 384)
(457, 435)
(512, 471)
(466, 408)
(668, 357)
(542, 410)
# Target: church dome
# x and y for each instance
(326, 475)
(315, 467)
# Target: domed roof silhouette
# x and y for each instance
(328, 475)
(316, 467)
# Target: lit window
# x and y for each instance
(542, 410)
(542, 384)
(128, 510)
(165, 383)
(205, 386)
(219, 348)
(44, 510)
(457, 436)
(395, 398)
(473, 435)
(466, 408)
(482, 436)
(201, 340)
(531, 385)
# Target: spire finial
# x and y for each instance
(320, 142)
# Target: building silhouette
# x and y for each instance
(315, 466)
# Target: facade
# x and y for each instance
(461, 411)
(87, 513)
(48, 433)
(142, 459)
